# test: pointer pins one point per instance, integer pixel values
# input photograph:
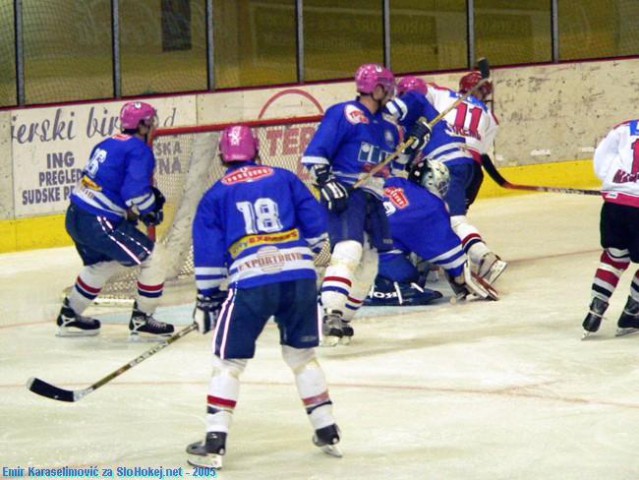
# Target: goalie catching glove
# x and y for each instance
(207, 309)
(470, 284)
(417, 137)
(333, 193)
(156, 216)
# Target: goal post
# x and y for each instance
(187, 165)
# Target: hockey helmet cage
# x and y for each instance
(432, 175)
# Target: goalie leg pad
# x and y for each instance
(385, 292)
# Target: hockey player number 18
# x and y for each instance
(260, 216)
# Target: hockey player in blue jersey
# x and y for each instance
(449, 146)
(258, 227)
(420, 224)
(352, 138)
(115, 192)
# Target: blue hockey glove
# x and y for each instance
(419, 134)
(157, 215)
(207, 309)
(333, 193)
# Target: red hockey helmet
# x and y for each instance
(238, 144)
(470, 80)
(411, 83)
(369, 75)
(133, 113)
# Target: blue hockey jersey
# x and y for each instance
(257, 225)
(118, 176)
(352, 140)
(444, 144)
(420, 224)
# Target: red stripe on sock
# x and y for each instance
(338, 279)
(317, 399)
(87, 288)
(150, 288)
(220, 402)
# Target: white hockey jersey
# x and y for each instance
(616, 163)
(472, 119)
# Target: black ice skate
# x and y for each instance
(208, 454)
(70, 324)
(143, 325)
(327, 439)
(592, 321)
(347, 333)
(332, 330)
(629, 320)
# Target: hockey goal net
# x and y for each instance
(187, 165)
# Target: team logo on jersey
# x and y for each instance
(354, 115)
(247, 174)
(397, 197)
(389, 138)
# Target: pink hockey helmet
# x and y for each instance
(238, 144)
(133, 113)
(411, 83)
(369, 75)
(470, 80)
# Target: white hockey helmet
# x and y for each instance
(432, 175)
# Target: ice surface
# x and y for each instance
(480, 390)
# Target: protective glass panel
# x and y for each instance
(8, 96)
(596, 29)
(163, 45)
(255, 43)
(428, 35)
(67, 50)
(340, 36)
(510, 32)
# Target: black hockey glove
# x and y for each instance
(418, 135)
(157, 215)
(207, 309)
(333, 193)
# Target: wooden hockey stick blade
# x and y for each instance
(48, 390)
(492, 171)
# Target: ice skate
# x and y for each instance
(327, 439)
(347, 333)
(490, 267)
(208, 454)
(144, 326)
(629, 320)
(592, 322)
(70, 324)
(332, 330)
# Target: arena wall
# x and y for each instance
(551, 117)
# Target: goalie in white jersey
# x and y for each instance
(474, 121)
(616, 163)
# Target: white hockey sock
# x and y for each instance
(89, 284)
(338, 280)
(151, 280)
(224, 391)
(311, 385)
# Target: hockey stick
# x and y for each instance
(490, 168)
(45, 389)
(484, 68)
